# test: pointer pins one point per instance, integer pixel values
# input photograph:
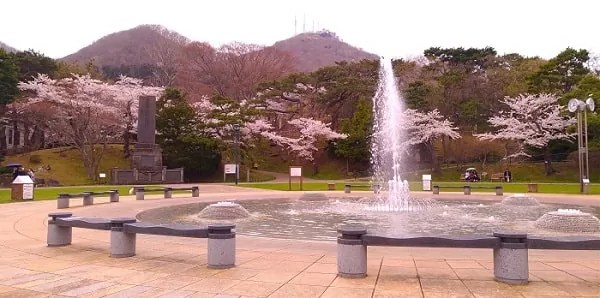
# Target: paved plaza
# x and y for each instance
(176, 267)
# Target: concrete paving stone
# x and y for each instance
(295, 265)
(477, 274)
(397, 272)
(107, 291)
(539, 288)
(18, 293)
(448, 286)
(4, 289)
(554, 275)
(362, 283)
(71, 286)
(48, 285)
(587, 275)
(201, 271)
(212, 285)
(436, 273)
(261, 264)
(567, 266)
(464, 264)
(579, 289)
(22, 279)
(130, 292)
(329, 259)
(432, 264)
(313, 279)
(488, 288)
(48, 280)
(237, 273)
(174, 281)
(88, 289)
(252, 288)
(398, 262)
(337, 292)
(177, 294)
(293, 290)
(446, 295)
(138, 277)
(203, 295)
(274, 276)
(394, 287)
(322, 268)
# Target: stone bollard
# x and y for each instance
(63, 201)
(122, 244)
(139, 193)
(347, 188)
(221, 246)
(436, 190)
(351, 251)
(511, 259)
(168, 192)
(114, 195)
(330, 186)
(57, 235)
(467, 190)
(499, 191)
(195, 191)
(88, 198)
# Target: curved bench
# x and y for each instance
(123, 231)
(510, 249)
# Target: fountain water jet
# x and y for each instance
(389, 143)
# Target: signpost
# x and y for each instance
(230, 168)
(295, 171)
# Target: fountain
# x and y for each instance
(389, 143)
(569, 220)
(224, 210)
(519, 200)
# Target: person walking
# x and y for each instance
(507, 175)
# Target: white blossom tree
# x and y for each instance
(83, 112)
(532, 120)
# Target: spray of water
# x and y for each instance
(389, 144)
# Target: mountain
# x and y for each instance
(7, 47)
(317, 49)
(129, 47)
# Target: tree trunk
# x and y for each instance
(548, 162)
(435, 165)
(126, 144)
(3, 146)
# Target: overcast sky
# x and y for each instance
(393, 28)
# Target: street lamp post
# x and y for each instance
(581, 107)
(236, 143)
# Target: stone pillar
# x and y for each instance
(114, 195)
(511, 259)
(195, 191)
(351, 251)
(221, 246)
(88, 198)
(168, 192)
(63, 201)
(139, 192)
(57, 235)
(347, 188)
(436, 190)
(499, 191)
(122, 244)
(467, 190)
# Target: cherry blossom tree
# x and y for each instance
(532, 120)
(83, 112)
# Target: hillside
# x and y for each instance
(315, 50)
(129, 47)
(7, 47)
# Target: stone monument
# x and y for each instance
(146, 160)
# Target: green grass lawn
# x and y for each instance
(563, 188)
(51, 193)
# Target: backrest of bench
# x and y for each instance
(167, 230)
(84, 222)
(433, 241)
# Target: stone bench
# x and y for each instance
(510, 250)
(123, 231)
(63, 200)
(467, 189)
(167, 191)
(348, 187)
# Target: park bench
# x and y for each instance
(467, 189)
(510, 250)
(497, 176)
(375, 187)
(167, 191)
(123, 231)
(63, 200)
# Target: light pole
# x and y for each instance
(236, 143)
(581, 107)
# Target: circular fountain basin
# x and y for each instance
(569, 221)
(317, 220)
(223, 211)
(520, 200)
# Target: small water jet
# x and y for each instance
(224, 210)
(569, 221)
(520, 200)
